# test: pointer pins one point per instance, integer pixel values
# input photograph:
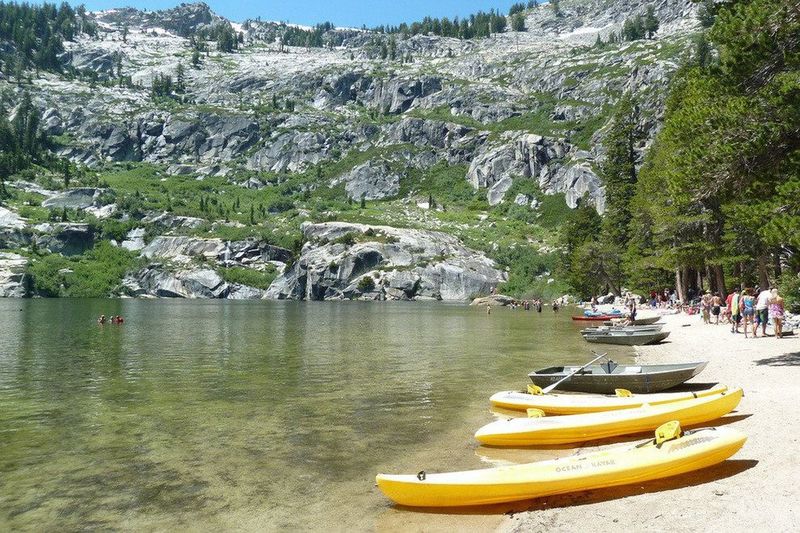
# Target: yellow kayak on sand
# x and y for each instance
(621, 465)
(549, 430)
(578, 403)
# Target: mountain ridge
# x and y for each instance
(297, 131)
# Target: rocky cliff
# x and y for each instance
(517, 112)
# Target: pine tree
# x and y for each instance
(518, 22)
(650, 24)
(618, 172)
(67, 174)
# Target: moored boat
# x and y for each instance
(622, 465)
(626, 337)
(605, 378)
(637, 322)
(552, 430)
(593, 318)
(577, 403)
(596, 330)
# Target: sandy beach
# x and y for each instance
(756, 490)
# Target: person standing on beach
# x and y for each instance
(748, 306)
(716, 306)
(762, 309)
(733, 305)
(776, 311)
(705, 307)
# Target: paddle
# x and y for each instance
(565, 378)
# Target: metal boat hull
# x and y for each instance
(627, 338)
(637, 379)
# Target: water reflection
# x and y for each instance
(252, 415)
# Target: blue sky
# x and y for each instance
(340, 12)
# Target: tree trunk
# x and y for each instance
(763, 275)
(680, 280)
(776, 258)
(719, 277)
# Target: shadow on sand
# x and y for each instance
(723, 470)
(787, 359)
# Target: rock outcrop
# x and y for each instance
(65, 238)
(346, 261)
(374, 180)
(13, 280)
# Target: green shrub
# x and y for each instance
(526, 268)
(249, 276)
(348, 239)
(789, 290)
(366, 284)
(95, 274)
(45, 277)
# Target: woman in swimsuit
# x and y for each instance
(748, 307)
(776, 313)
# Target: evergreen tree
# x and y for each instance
(579, 237)
(67, 174)
(728, 154)
(618, 172)
(706, 13)
(650, 23)
(518, 22)
(180, 78)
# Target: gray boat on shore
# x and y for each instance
(637, 322)
(605, 378)
(625, 337)
(652, 328)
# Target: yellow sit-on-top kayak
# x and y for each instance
(548, 430)
(621, 465)
(573, 404)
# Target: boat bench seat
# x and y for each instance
(632, 370)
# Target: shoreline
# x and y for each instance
(758, 485)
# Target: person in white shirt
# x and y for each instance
(762, 309)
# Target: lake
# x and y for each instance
(251, 415)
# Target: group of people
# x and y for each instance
(749, 308)
(666, 299)
(113, 320)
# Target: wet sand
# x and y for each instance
(756, 490)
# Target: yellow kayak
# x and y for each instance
(573, 404)
(621, 465)
(549, 430)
